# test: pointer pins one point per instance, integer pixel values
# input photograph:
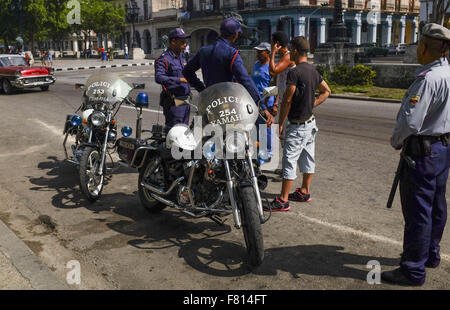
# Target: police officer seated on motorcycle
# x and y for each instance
(423, 132)
(221, 62)
(168, 73)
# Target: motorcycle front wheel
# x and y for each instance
(91, 183)
(251, 225)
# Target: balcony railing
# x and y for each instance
(250, 5)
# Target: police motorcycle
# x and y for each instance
(209, 185)
(95, 130)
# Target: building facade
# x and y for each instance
(377, 21)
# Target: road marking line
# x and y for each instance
(53, 129)
(147, 110)
(346, 229)
(27, 151)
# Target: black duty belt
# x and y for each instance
(433, 139)
(421, 145)
(302, 122)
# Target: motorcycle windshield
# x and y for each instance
(106, 87)
(228, 104)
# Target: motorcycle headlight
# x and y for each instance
(209, 150)
(235, 142)
(75, 120)
(98, 119)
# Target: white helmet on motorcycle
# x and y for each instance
(181, 136)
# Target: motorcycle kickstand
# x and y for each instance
(218, 220)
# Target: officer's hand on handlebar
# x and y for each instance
(269, 118)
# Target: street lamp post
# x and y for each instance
(132, 14)
(338, 30)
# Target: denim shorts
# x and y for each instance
(298, 149)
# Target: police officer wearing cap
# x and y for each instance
(168, 73)
(221, 62)
(422, 131)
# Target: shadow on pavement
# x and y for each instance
(225, 259)
(148, 231)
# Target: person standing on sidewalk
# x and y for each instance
(261, 77)
(50, 58)
(299, 146)
(423, 132)
(126, 51)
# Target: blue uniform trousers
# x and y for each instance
(424, 207)
(176, 115)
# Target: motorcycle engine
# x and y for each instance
(183, 196)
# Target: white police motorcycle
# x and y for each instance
(95, 130)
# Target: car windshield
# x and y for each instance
(12, 61)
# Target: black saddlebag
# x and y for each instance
(127, 147)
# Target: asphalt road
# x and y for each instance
(324, 244)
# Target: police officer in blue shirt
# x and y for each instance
(221, 62)
(423, 132)
(168, 73)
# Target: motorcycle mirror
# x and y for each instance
(270, 91)
(139, 85)
(79, 86)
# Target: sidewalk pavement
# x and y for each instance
(85, 64)
(21, 269)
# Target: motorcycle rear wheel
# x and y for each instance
(251, 225)
(91, 183)
(148, 202)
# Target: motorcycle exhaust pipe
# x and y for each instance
(173, 205)
(160, 191)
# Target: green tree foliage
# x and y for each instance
(40, 20)
(57, 26)
(100, 17)
(8, 22)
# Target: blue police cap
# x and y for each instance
(230, 26)
(178, 33)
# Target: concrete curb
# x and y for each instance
(365, 98)
(27, 263)
(104, 66)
